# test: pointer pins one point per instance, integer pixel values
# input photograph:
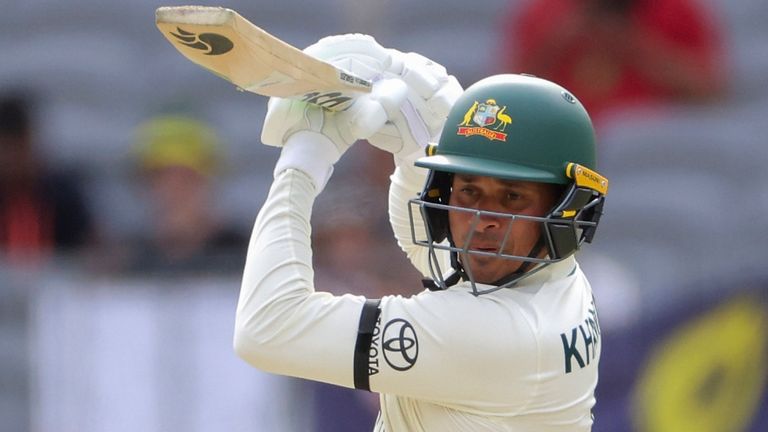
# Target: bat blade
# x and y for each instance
(223, 42)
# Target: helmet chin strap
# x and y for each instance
(454, 278)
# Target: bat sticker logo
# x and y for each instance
(330, 100)
(210, 43)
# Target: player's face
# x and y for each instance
(502, 196)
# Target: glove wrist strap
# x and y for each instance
(310, 152)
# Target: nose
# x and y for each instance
(486, 222)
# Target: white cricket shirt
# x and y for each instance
(521, 359)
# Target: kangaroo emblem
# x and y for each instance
(469, 114)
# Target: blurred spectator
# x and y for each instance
(178, 158)
(42, 210)
(355, 250)
(619, 53)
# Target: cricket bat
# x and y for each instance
(230, 46)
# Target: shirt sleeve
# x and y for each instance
(406, 183)
(282, 325)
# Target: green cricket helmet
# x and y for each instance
(515, 127)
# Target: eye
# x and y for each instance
(513, 196)
(466, 195)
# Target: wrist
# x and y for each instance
(311, 153)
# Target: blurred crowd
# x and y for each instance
(676, 88)
(42, 210)
(615, 55)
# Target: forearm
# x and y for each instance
(281, 321)
(407, 182)
(278, 273)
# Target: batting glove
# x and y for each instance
(431, 93)
(326, 135)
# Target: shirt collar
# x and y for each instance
(541, 274)
(554, 271)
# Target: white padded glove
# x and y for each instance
(360, 55)
(318, 138)
(418, 121)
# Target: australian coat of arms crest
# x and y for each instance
(487, 119)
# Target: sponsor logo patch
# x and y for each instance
(400, 345)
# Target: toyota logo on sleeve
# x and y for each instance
(400, 345)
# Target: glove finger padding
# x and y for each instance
(430, 96)
(371, 112)
(442, 101)
(364, 118)
(313, 139)
(421, 76)
(358, 54)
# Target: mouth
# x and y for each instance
(484, 248)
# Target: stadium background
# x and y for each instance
(678, 269)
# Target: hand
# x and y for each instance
(431, 93)
(317, 138)
(360, 55)
(326, 135)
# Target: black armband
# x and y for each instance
(368, 318)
